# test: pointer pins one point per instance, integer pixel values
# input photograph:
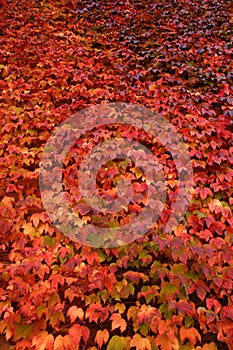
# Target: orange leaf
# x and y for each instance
(7, 201)
(75, 312)
(102, 337)
(140, 343)
(118, 321)
(68, 344)
(191, 334)
(64, 343)
(58, 343)
(167, 343)
(43, 341)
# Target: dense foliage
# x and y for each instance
(165, 291)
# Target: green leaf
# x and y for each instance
(179, 269)
(50, 241)
(49, 148)
(102, 256)
(114, 224)
(104, 295)
(199, 214)
(63, 261)
(188, 321)
(118, 343)
(31, 132)
(23, 331)
(192, 275)
(185, 347)
(218, 195)
(53, 300)
(144, 329)
(41, 309)
(167, 313)
(132, 313)
(168, 290)
(56, 318)
(95, 239)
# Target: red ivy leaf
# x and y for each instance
(204, 192)
(96, 312)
